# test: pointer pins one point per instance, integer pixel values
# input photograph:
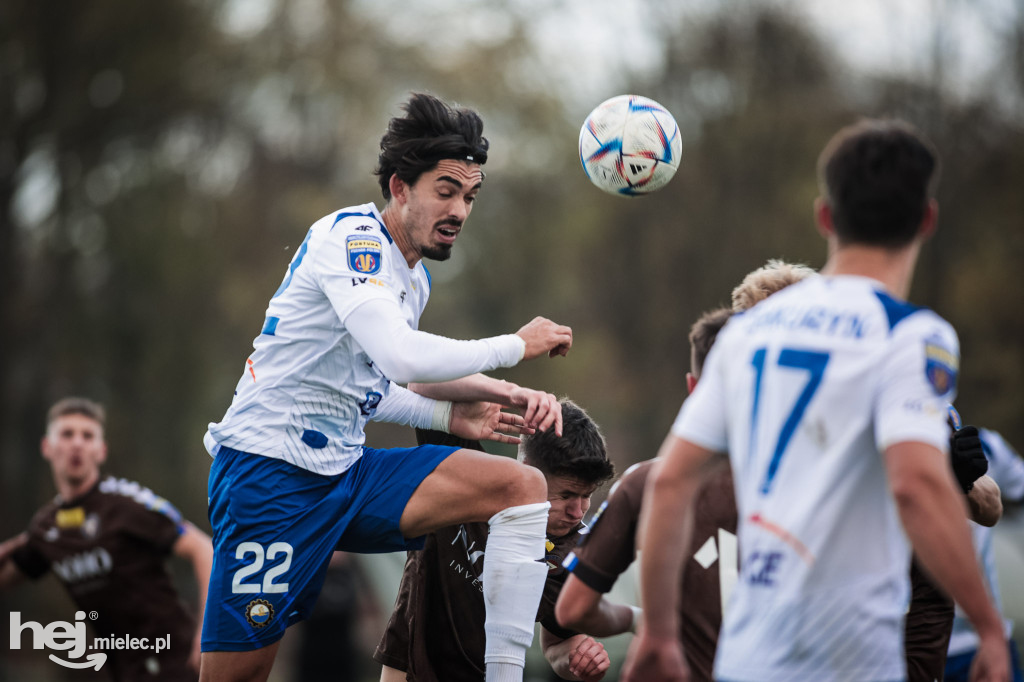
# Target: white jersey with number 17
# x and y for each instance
(805, 391)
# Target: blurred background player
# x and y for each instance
(107, 540)
(609, 547)
(1006, 468)
(759, 284)
(436, 631)
(929, 619)
(292, 480)
(336, 642)
(829, 399)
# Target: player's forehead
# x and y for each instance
(570, 485)
(74, 422)
(464, 174)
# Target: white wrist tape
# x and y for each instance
(441, 420)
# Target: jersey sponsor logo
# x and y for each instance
(940, 366)
(259, 613)
(549, 557)
(70, 518)
(364, 254)
(94, 563)
(356, 281)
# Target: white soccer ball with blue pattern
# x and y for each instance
(630, 145)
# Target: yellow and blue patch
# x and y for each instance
(364, 254)
(259, 613)
(941, 366)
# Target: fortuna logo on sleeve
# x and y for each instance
(364, 254)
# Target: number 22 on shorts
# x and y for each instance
(238, 584)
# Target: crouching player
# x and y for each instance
(436, 632)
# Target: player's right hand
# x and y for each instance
(653, 659)
(544, 336)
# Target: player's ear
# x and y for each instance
(823, 218)
(44, 446)
(930, 219)
(399, 190)
(691, 382)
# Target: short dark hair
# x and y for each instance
(579, 453)
(877, 175)
(431, 130)
(74, 405)
(703, 334)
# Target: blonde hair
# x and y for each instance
(758, 285)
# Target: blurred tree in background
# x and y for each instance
(159, 162)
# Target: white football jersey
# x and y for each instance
(805, 391)
(308, 389)
(1006, 468)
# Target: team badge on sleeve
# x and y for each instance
(940, 366)
(364, 254)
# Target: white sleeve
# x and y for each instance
(1005, 466)
(405, 354)
(402, 406)
(918, 383)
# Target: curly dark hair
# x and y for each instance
(431, 130)
(878, 175)
(579, 453)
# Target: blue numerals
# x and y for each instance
(811, 362)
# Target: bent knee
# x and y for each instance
(524, 485)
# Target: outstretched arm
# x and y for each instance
(540, 409)
(10, 574)
(582, 608)
(194, 545)
(579, 657)
(666, 524)
(405, 354)
(932, 510)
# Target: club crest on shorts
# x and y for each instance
(259, 613)
(364, 254)
(940, 366)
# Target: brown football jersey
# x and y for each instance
(108, 548)
(436, 633)
(608, 549)
(927, 628)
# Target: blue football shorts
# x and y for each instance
(275, 526)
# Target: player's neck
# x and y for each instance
(893, 268)
(71, 489)
(397, 231)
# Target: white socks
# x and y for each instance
(513, 576)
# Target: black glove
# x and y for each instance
(967, 456)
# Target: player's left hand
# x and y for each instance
(541, 411)
(967, 456)
(589, 661)
(486, 421)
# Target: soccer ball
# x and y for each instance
(630, 145)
